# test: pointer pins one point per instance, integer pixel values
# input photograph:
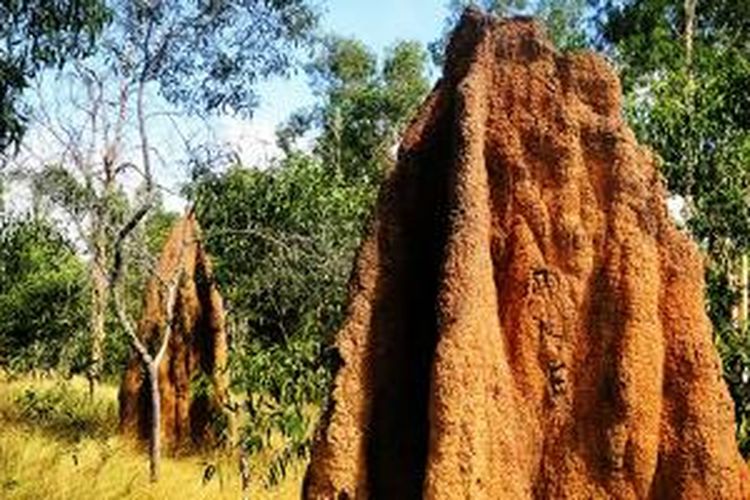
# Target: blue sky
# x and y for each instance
(377, 23)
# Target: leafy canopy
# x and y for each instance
(363, 108)
(209, 55)
(35, 34)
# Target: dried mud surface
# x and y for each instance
(193, 379)
(525, 321)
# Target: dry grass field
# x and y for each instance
(57, 444)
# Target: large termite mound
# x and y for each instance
(525, 321)
(192, 375)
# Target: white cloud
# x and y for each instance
(253, 141)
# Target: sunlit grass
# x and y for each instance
(55, 444)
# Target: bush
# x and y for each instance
(43, 296)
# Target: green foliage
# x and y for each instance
(57, 188)
(698, 124)
(283, 237)
(35, 34)
(42, 295)
(364, 106)
(156, 228)
(60, 187)
(566, 22)
(282, 240)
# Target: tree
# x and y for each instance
(282, 240)
(182, 56)
(208, 56)
(36, 34)
(682, 64)
(151, 361)
(364, 107)
(84, 178)
(38, 267)
(200, 57)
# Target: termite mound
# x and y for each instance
(525, 320)
(193, 377)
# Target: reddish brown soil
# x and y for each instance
(525, 320)
(197, 352)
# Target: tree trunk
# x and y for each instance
(155, 434)
(245, 473)
(99, 300)
(744, 271)
(689, 7)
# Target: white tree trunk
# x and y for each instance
(744, 271)
(154, 454)
(98, 312)
(689, 34)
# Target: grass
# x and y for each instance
(56, 444)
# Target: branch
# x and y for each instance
(145, 152)
(169, 309)
(156, 185)
(124, 232)
(122, 316)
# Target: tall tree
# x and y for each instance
(283, 236)
(363, 105)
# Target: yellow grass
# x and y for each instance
(75, 453)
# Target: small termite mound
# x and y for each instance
(193, 378)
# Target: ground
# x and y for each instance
(57, 444)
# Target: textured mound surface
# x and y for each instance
(192, 375)
(525, 321)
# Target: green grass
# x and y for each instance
(56, 444)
